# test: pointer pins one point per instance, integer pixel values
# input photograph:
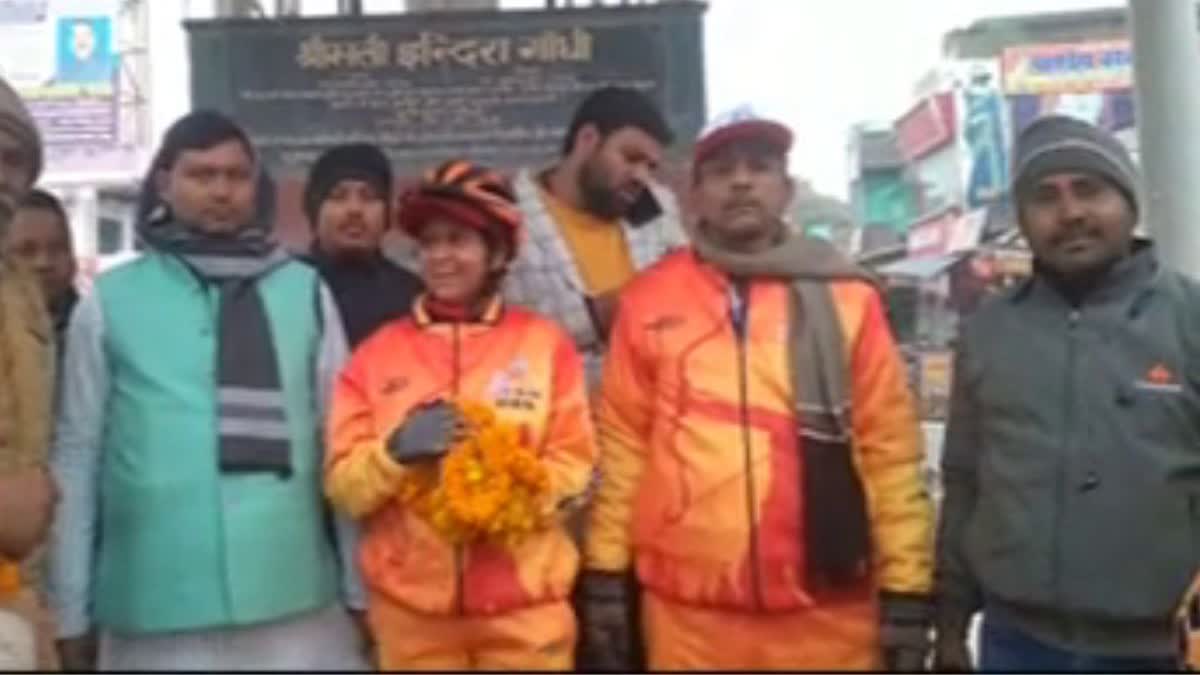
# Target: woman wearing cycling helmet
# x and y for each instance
(434, 603)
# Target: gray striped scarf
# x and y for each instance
(252, 417)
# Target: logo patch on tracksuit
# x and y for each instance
(1160, 379)
(508, 388)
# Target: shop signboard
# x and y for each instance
(1081, 67)
(62, 57)
(931, 236)
(926, 127)
(984, 132)
(935, 377)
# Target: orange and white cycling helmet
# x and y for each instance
(467, 193)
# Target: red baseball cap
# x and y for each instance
(740, 124)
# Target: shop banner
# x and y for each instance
(1112, 110)
(964, 233)
(61, 56)
(935, 378)
(1064, 68)
(931, 236)
(926, 127)
(984, 136)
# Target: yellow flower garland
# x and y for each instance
(10, 578)
(490, 484)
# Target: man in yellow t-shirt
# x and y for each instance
(597, 244)
(595, 218)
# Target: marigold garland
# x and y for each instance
(489, 484)
(10, 578)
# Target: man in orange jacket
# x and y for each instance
(760, 452)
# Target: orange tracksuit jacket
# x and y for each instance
(706, 520)
(528, 370)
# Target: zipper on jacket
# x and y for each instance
(740, 329)
(1060, 477)
(460, 554)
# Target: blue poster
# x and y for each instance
(85, 50)
(984, 131)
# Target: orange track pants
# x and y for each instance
(686, 637)
(535, 638)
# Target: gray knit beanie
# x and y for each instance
(15, 119)
(1057, 144)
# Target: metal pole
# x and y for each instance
(1166, 55)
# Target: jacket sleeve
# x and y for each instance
(623, 419)
(888, 441)
(571, 436)
(75, 461)
(956, 586)
(670, 221)
(360, 476)
(332, 355)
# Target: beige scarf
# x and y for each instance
(837, 535)
(26, 385)
(26, 371)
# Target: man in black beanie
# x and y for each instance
(348, 201)
(1071, 512)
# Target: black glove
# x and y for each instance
(426, 434)
(905, 622)
(950, 653)
(606, 634)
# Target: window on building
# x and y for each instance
(110, 236)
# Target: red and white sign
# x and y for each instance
(965, 232)
(927, 126)
(931, 237)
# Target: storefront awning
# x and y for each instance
(924, 267)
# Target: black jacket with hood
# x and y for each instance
(369, 292)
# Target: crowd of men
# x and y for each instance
(201, 460)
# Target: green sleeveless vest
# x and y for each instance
(182, 547)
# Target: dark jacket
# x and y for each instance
(60, 313)
(1072, 461)
(369, 292)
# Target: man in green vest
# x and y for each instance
(192, 532)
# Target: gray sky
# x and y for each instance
(790, 56)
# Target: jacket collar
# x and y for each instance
(541, 231)
(425, 317)
(645, 241)
(367, 264)
(1129, 280)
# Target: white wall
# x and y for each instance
(170, 75)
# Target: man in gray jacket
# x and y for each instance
(1072, 458)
